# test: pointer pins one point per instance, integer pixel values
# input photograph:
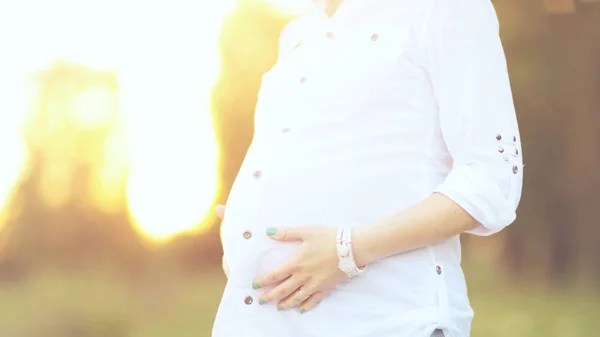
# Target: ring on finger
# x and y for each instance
(301, 294)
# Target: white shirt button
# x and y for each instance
(257, 174)
(247, 235)
(330, 35)
(302, 80)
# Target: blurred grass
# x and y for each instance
(534, 311)
(101, 303)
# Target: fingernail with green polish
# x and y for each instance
(279, 308)
(271, 231)
(261, 302)
(255, 286)
(302, 311)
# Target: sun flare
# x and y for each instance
(166, 58)
(12, 147)
(167, 61)
(167, 108)
(291, 7)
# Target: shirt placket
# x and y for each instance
(248, 236)
(251, 236)
(265, 153)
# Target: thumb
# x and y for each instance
(220, 210)
(285, 234)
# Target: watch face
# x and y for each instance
(345, 265)
(342, 265)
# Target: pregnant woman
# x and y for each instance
(385, 130)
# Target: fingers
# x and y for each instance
(275, 276)
(220, 210)
(299, 295)
(312, 301)
(281, 291)
(303, 298)
(287, 234)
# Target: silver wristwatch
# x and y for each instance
(346, 261)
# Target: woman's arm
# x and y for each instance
(465, 61)
(435, 219)
(464, 58)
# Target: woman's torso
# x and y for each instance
(346, 132)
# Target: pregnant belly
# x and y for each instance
(393, 294)
(275, 254)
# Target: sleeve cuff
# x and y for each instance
(481, 197)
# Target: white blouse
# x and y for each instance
(366, 114)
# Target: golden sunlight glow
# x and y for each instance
(12, 147)
(291, 7)
(13, 102)
(160, 155)
(167, 61)
(93, 107)
(166, 101)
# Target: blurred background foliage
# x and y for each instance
(89, 246)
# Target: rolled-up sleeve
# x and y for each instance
(467, 67)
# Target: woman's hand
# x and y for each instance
(309, 275)
(220, 211)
